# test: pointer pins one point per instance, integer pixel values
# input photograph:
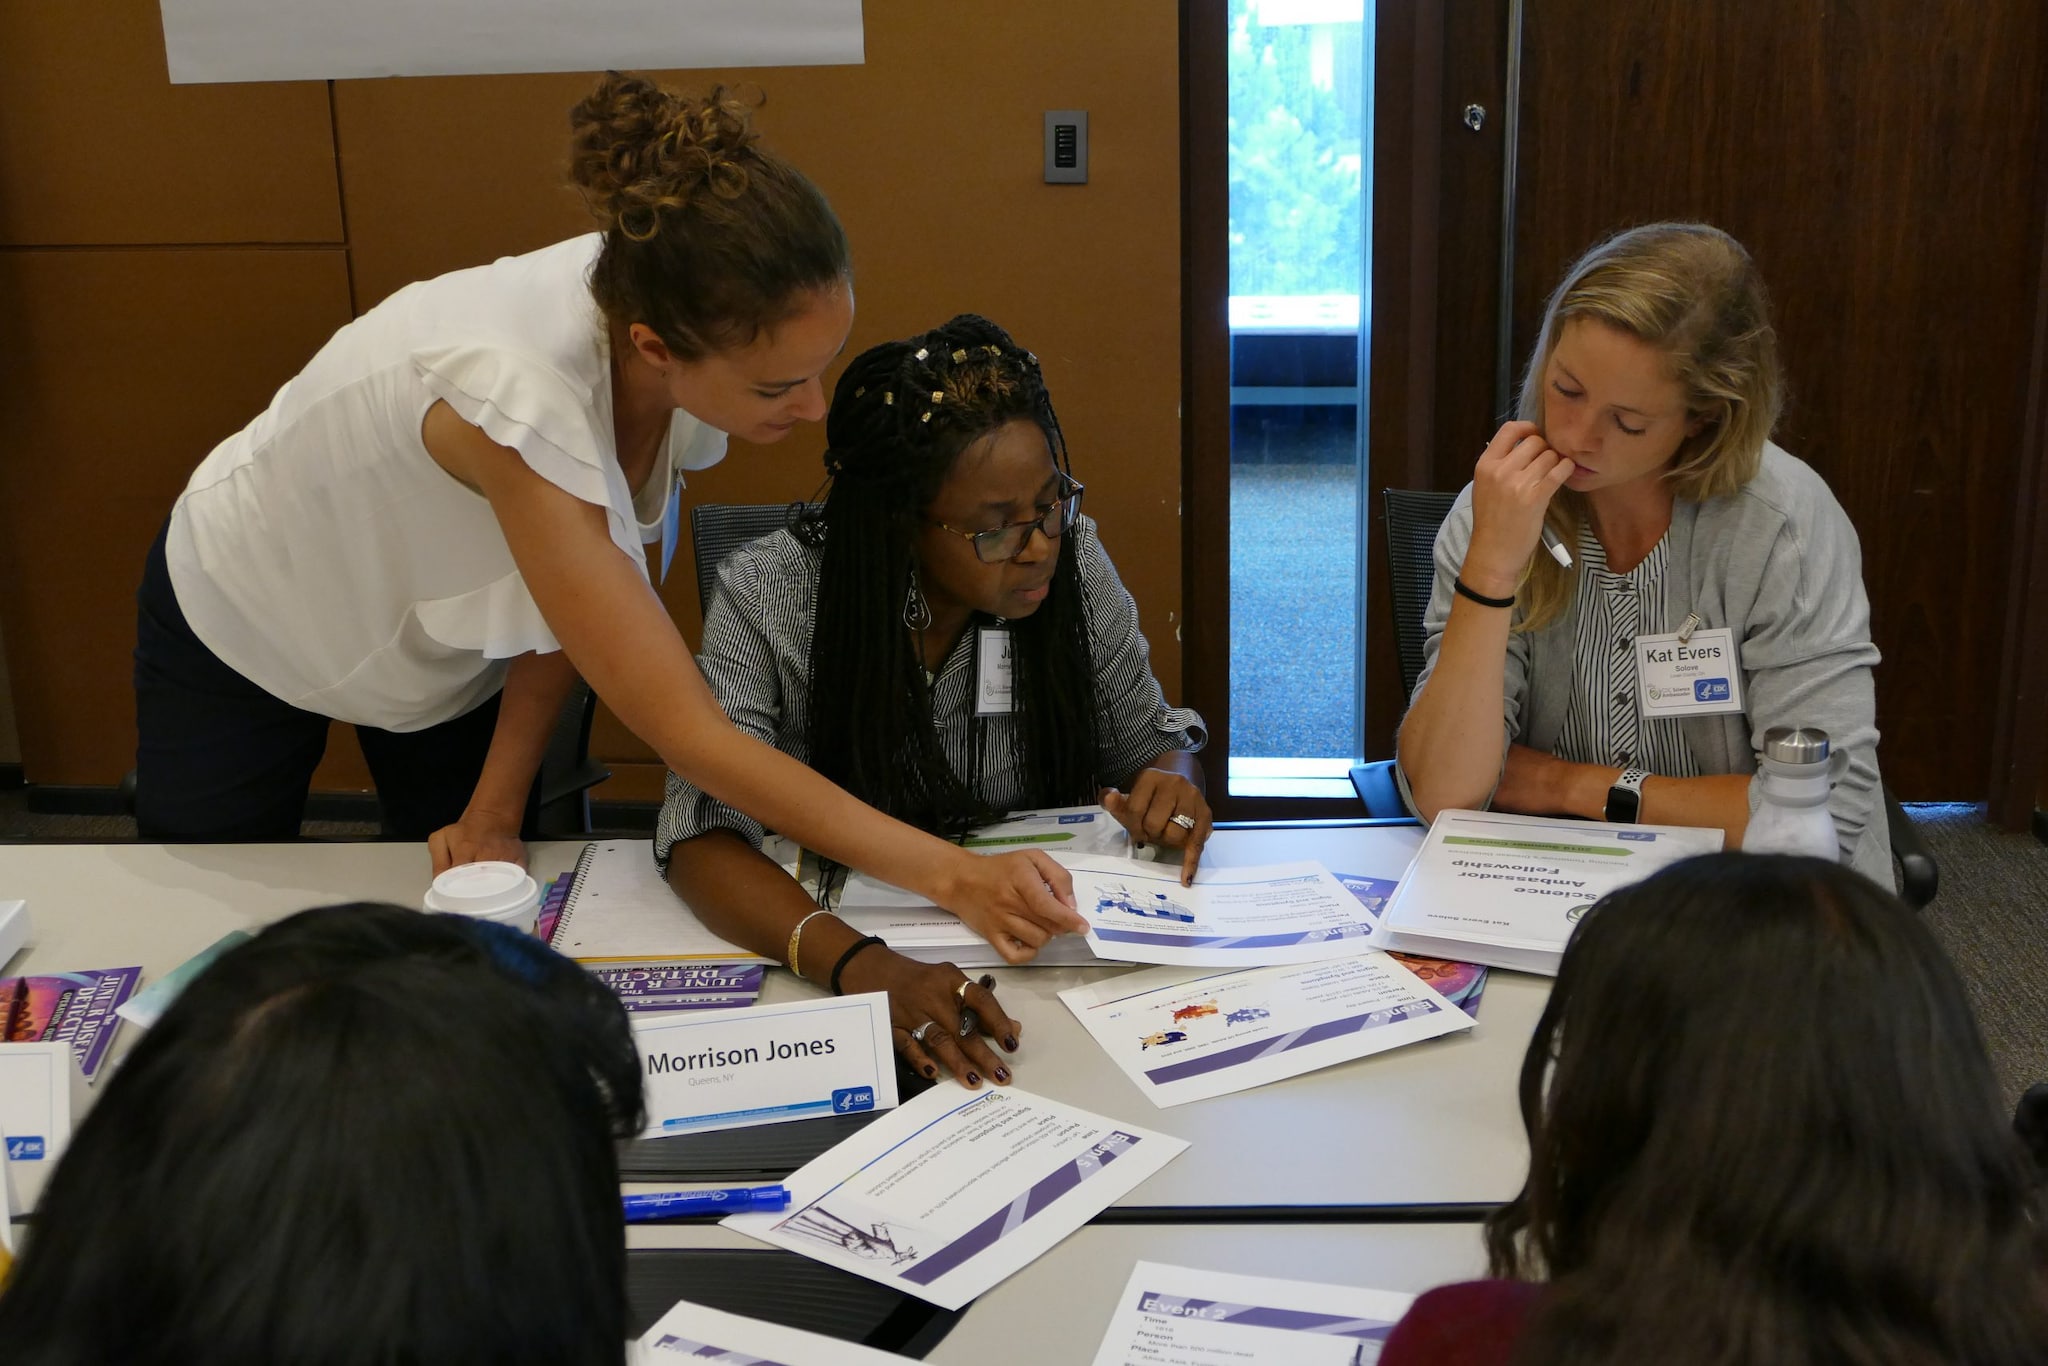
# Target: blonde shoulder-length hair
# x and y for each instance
(1691, 291)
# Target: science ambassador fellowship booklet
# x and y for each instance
(1508, 890)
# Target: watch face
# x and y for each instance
(1622, 804)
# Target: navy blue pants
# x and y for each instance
(220, 760)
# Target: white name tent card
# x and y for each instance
(289, 40)
(695, 1332)
(732, 1069)
(1178, 1316)
(42, 1095)
(1506, 890)
(1184, 1035)
(1237, 917)
(957, 1189)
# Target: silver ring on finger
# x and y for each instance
(1184, 820)
(917, 1034)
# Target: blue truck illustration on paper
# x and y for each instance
(1157, 906)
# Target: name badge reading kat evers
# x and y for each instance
(732, 1069)
(995, 672)
(1698, 676)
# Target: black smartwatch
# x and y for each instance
(1625, 798)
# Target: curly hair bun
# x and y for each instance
(638, 151)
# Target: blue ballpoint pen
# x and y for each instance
(640, 1208)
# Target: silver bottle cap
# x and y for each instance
(1796, 745)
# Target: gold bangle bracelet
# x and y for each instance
(797, 934)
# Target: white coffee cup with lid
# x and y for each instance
(500, 892)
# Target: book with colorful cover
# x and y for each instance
(1463, 983)
(67, 1007)
(651, 988)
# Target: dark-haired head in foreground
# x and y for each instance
(1763, 1129)
(366, 1136)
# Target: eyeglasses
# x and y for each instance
(1007, 542)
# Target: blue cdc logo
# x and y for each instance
(852, 1099)
(1710, 690)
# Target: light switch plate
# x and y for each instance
(1066, 147)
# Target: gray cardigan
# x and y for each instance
(1778, 562)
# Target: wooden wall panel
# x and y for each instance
(1882, 160)
(124, 369)
(931, 155)
(97, 146)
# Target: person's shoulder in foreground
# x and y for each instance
(1472, 1323)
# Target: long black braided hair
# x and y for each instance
(901, 415)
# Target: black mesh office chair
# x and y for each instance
(718, 529)
(1413, 518)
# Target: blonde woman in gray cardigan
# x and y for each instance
(1643, 446)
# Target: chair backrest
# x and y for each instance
(718, 529)
(1413, 519)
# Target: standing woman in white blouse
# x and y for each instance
(438, 524)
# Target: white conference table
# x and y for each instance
(1431, 1125)
(1058, 1308)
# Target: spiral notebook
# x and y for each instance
(618, 908)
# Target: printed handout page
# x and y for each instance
(695, 1332)
(1178, 1316)
(1241, 917)
(1508, 890)
(945, 1196)
(1182, 1035)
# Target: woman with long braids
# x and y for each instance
(438, 524)
(1763, 1131)
(951, 538)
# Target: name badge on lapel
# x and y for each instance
(995, 666)
(1691, 673)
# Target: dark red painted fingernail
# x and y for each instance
(1011, 1043)
(1002, 1074)
(973, 1080)
(930, 1070)
(988, 981)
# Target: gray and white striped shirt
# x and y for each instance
(757, 653)
(1603, 722)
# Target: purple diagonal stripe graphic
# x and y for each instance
(1231, 941)
(699, 1351)
(1300, 1038)
(1012, 1216)
(1258, 1316)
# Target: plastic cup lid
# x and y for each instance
(486, 889)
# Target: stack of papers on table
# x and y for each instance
(915, 928)
(1508, 890)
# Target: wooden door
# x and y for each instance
(1882, 160)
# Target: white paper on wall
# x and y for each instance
(287, 40)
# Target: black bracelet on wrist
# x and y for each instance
(847, 957)
(1481, 598)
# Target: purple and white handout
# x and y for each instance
(1178, 1316)
(1232, 917)
(945, 1196)
(1182, 1035)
